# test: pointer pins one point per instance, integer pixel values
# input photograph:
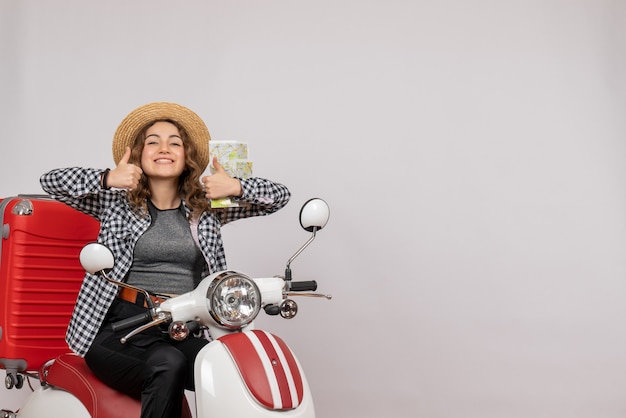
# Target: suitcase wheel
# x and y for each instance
(13, 380)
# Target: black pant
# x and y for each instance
(150, 366)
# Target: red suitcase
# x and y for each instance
(40, 275)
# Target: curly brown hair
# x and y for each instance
(189, 186)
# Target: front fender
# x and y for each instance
(251, 374)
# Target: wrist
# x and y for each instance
(239, 188)
(103, 179)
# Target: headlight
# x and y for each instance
(233, 300)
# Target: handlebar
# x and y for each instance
(131, 322)
(304, 286)
(146, 319)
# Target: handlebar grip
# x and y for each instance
(133, 321)
(304, 286)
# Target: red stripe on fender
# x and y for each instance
(293, 367)
(279, 371)
(250, 367)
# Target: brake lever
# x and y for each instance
(311, 295)
(162, 318)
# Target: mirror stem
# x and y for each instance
(145, 293)
(293, 257)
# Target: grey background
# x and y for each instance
(471, 151)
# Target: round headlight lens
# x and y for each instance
(233, 299)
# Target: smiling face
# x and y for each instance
(163, 154)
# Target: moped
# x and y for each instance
(242, 372)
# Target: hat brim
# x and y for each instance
(145, 115)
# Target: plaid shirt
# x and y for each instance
(121, 227)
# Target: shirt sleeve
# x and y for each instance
(75, 186)
(259, 197)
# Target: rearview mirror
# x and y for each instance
(314, 214)
(95, 257)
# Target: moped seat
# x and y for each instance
(70, 372)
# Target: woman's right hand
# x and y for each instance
(125, 175)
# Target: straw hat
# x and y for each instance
(145, 115)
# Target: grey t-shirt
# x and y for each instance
(166, 258)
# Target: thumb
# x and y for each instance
(218, 166)
(126, 157)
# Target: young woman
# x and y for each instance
(155, 215)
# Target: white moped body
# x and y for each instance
(272, 384)
(49, 401)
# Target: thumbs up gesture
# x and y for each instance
(220, 184)
(125, 175)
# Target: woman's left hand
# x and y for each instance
(220, 184)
